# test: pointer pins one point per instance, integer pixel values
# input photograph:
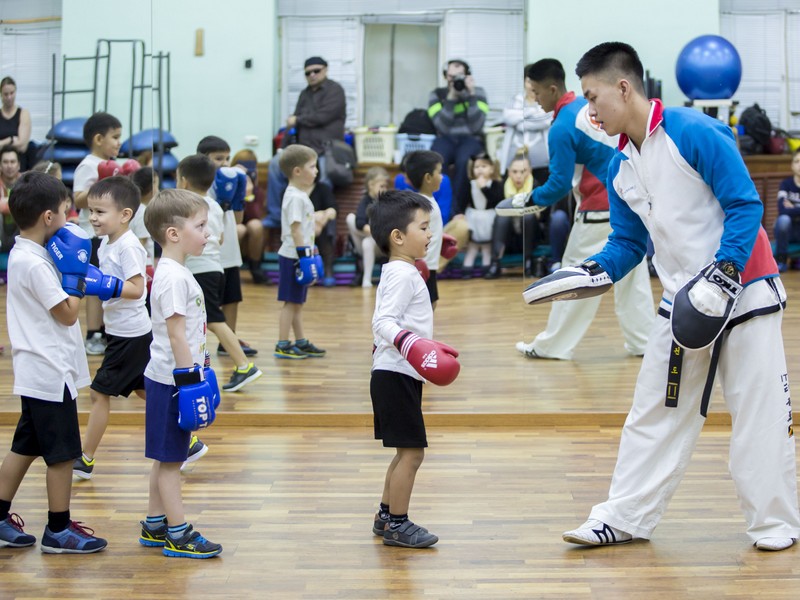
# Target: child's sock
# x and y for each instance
(155, 522)
(284, 343)
(301, 342)
(395, 521)
(383, 511)
(57, 521)
(177, 531)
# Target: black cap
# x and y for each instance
(315, 60)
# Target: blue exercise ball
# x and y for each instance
(709, 68)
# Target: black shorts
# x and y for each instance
(433, 288)
(123, 366)
(49, 430)
(94, 259)
(233, 286)
(397, 410)
(212, 284)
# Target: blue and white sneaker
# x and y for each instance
(12, 535)
(75, 539)
(596, 533)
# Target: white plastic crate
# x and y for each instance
(494, 141)
(375, 145)
(409, 142)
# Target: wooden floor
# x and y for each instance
(482, 319)
(293, 510)
(519, 452)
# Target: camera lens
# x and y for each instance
(459, 85)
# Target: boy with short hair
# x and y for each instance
(403, 358)
(48, 360)
(176, 219)
(679, 177)
(299, 263)
(196, 173)
(112, 203)
(219, 152)
(424, 171)
(102, 133)
(146, 179)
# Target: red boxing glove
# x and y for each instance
(423, 269)
(107, 168)
(149, 273)
(434, 360)
(129, 167)
(449, 246)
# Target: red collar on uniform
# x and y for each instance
(654, 119)
(562, 102)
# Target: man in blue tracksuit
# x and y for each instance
(579, 155)
(679, 177)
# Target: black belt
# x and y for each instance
(676, 355)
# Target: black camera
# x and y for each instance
(459, 83)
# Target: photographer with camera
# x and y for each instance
(458, 112)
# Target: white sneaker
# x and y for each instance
(774, 544)
(95, 345)
(596, 533)
(528, 352)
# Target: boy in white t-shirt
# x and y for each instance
(146, 179)
(48, 360)
(404, 357)
(176, 219)
(424, 171)
(196, 173)
(219, 152)
(112, 204)
(102, 133)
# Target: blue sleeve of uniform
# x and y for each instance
(627, 243)
(561, 142)
(709, 147)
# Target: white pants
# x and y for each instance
(569, 321)
(657, 442)
(365, 246)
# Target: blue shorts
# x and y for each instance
(288, 288)
(164, 441)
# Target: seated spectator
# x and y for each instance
(527, 125)
(787, 225)
(458, 112)
(325, 228)
(376, 182)
(15, 124)
(486, 192)
(9, 174)
(252, 237)
(524, 232)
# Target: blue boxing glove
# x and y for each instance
(104, 287)
(196, 408)
(237, 202)
(226, 183)
(307, 271)
(70, 249)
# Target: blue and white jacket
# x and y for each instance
(580, 152)
(690, 189)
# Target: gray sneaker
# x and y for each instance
(239, 379)
(379, 526)
(409, 535)
(95, 345)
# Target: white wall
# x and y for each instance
(657, 30)
(212, 94)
